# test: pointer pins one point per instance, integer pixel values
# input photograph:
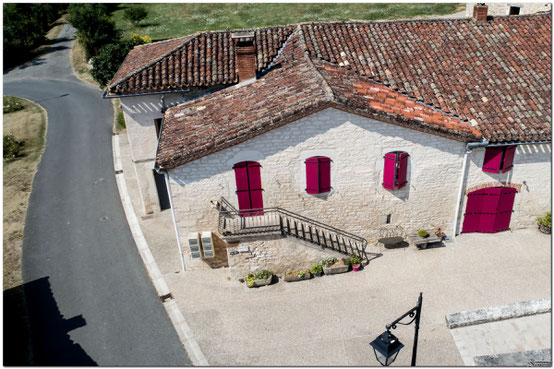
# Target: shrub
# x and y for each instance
(11, 104)
(137, 39)
(135, 14)
(316, 268)
(546, 221)
(12, 148)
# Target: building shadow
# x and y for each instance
(36, 333)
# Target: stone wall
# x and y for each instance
(357, 203)
(501, 9)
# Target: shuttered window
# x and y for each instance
(499, 159)
(396, 170)
(318, 174)
(249, 187)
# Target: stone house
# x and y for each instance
(331, 131)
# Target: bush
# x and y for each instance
(95, 28)
(12, 148)
(11, 104)
(546, 221)
(316, 268)
(135, 14)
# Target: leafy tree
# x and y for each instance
(94, 26)
(135, 14)
(106, 64)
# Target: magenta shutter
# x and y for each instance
(493, 158)
(402, 170)
(388, 173)
(504, 211)
(508, 158)
(255, 186)
(324, 174)
(312, 180)
(491, 199)
(249, 186)
(473, 212)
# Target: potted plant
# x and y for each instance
(316, 270)
(332, 265)
(545, 224)
(423, 234)
(261, 278)
(355, 261)
(297, 275)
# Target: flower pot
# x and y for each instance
(335, 269)
(260, 282)
(295, 277)
(545, 229)
(356, 267)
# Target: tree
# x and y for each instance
(106, 64)
(94, 27)
(135, 14)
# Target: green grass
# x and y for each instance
(174, 20)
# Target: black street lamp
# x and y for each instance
(386, 346)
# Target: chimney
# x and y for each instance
(480, 12)
(246, 54)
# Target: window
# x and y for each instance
(396, 169)
(318, 174)
(499, 158)
(249, 187)
(514, 10)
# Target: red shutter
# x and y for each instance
(493, 158)
(508, 158)
(312, 180)
(491, 199)
(324, 174)
(388, 173)
(241, 178)
(255, 186)
(402, 170)
(504, 211)
(473, 212)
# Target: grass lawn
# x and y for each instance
(173, 20)
(28, 125)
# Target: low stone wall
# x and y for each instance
(275, 253)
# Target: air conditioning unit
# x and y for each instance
(208, 244)
(194, 244)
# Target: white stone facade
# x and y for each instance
(357, 203)
(140, 113)
(501, 9)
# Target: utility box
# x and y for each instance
(208, 244)
(194, 244)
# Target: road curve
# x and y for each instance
(91, 301)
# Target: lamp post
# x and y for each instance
(386, 346)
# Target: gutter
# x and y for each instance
(469, 148)
(106, 96)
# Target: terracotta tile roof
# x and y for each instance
(295, 88)
(200, 60)
(497, 73)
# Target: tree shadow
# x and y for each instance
(35, 332)
(24, 59)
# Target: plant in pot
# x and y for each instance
(316, 270)
(545, 223)
(423, 234)
(355, 261)
(297, 275)
(332, 265)
(261, 278)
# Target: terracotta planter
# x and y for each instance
(356, 268)
(545, 229)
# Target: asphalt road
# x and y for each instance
(90, 298)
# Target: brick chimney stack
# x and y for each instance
(480, 12)
(246, 54)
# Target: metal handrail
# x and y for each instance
(287, 213)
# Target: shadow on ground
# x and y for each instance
(25, 59)
(35, 332)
